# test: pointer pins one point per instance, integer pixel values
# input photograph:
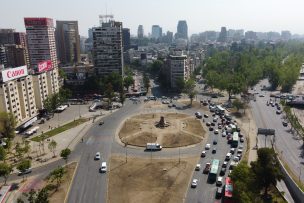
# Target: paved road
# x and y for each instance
(288, 146)
(205, 192)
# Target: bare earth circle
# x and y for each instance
(183, 130)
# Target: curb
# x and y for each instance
(71, 182)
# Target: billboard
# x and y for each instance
(38, 22)
(14, 73)
(44, 66)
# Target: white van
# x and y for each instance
(103, 167)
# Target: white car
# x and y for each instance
(207, 146)
(216, 131)
(236, 159)
(26, 171)
(232, 150)
(242, 139)
(197, 167)
(224, 134)
(203, 154)
(219, 181)
(194, 183)
(97, 156)
(228, 156)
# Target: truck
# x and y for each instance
(153, 146)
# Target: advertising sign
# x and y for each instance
(14, 73)
(44, 66)
(38, 22)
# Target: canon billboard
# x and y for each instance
(38, 22)
(14, 73)
(44, 66)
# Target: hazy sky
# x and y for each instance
(201, 15)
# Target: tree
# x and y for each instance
(7, 125)
(146, 82)
(238, 104)
(122, 97)
(189, 89)
(52, 147)
(5, 170)
(243, 187)
(109, 93)
(19, 151)
(266, 169)
(180, 84)
(65, 153)
(156, 66)
(24, 165)
(2, 154)
(57, 175)
(42, 196)
(128, 81)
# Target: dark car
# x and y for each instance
(214, 142)
(223, 171)
(219, 191)
(212, 124)
(214, 150)
(285, 124)
(101, 122)
(211, 129)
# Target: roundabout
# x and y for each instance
(168, 129)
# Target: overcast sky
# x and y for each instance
(201, 15)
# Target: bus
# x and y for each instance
(214, 169)
(235, 139)
(228, 190)
(220, 109)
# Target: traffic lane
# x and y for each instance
(288, 147)
(88, 186)
(205, 192)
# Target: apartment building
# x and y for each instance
(179, 67)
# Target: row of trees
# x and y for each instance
(243, 66)
(249, 182)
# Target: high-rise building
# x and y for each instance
(107, 48)
(68, 42)
(15, 55)
(3, 60)
(286, 35)
(7, 36)
(250, 35)
(169, 37)
(179, 69)
(182, 29)
(126, 38)
(43, 58)
(156, 32)
(140, 31)
(223, 35)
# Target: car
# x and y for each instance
(219, 181)
(216, 131)
(261, 95)
(206, 115)
(194, 183)
(173, 105)
(224, 134)
(215, 119)
(239, 156)
(101, 122)
(224, 165)
(241, 139)
(228, 156)
(207, 168)
(223, 171)
(285, 124)
(207, 146)
(220, 126)
(211, 129)
(278, 112)
(219, 191)
(214, 150)
(241, 146)
(272, 104)
(278, 108)
(208, 124)
(197, 167)
(232, 150)
(212, 124)
(103, 167)
(214, 142)
(236, 159)
(203, 154)
(170, 105)
(97, 156)
(199, 116)
(26, 171)
(239, 151)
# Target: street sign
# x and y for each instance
(265, 131)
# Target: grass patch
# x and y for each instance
(58, 130)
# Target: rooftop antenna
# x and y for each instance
(105, 18)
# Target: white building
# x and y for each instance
(179, 67)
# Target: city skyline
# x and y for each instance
(200, 15)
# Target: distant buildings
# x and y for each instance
(182, 30)
(126, 39)
(107, 48)
(140, 31)
(285, 35)
(250, 35)
(157, 32)
(68, 42)
(223, 35)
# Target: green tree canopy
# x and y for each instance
(5, 170)
(65, 153)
